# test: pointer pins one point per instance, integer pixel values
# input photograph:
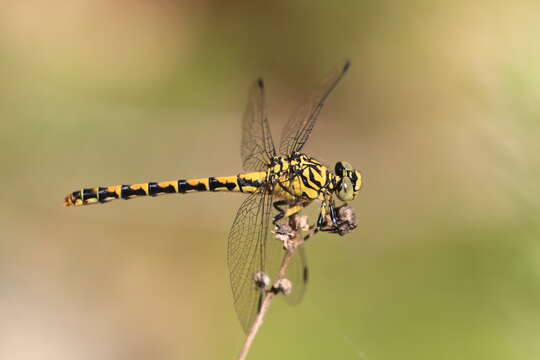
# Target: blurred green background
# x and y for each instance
(439, 111)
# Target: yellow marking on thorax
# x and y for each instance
(281, 193)
(297, 188)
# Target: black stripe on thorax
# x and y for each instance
(284, 188)
(317, 169)
(313, 180)
(305, 181)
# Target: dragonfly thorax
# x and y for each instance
(299, 177)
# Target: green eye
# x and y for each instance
(347, 166)
(346, 190)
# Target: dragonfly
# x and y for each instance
(283, 179)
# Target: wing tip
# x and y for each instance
(346, 66)
(305, 274)
(260, 83)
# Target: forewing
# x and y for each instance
(299, 127)
(257, 145)
(246, 254)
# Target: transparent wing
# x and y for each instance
(299, 127)
(297, 272)
(246, 254)
(257, 145)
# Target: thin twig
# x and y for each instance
(344, 223)
(266, 304)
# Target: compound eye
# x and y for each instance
(358, 181)
(341, 167)
(346, 190)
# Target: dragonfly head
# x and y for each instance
(348, 181)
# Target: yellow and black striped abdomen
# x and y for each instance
(245, 183)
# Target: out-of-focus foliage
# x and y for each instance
(440, 111)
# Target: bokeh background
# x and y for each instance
(440, 111)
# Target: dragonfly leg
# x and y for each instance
(342, 220)
(322, 224)
(285, 213)
(281, 213)
(294, 209)
(333, 218)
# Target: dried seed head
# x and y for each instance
(284, 286)
(299, 222)
(261, 280)
(346, 219)
(286, 235)
(284, 232)
(347, 213)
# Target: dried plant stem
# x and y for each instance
(265, 305)
(291, 238)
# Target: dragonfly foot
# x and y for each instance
(344, 223)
